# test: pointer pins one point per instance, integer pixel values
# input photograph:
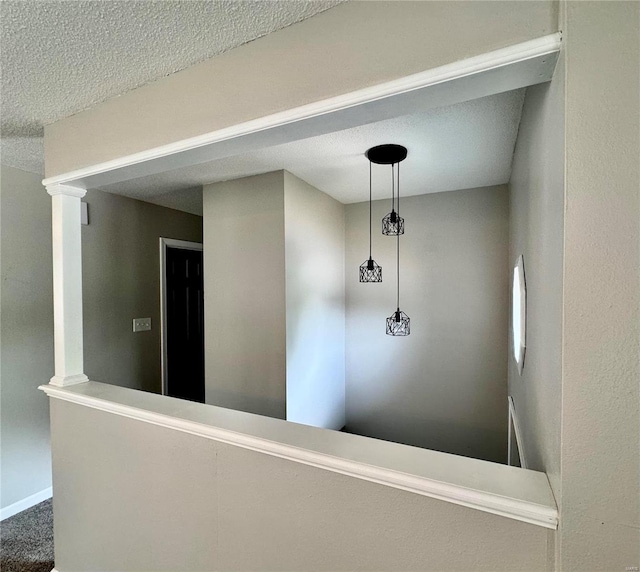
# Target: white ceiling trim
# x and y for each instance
(513, 67)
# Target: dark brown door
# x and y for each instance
(185, 324)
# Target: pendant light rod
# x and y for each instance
(370, 213)
(398, 194)
(398, 272)
(370, 271)
(393, 190)
(393, 155)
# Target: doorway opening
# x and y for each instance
(182, 319)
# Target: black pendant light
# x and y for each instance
(370, 270)
(398, 324)
(393, 223)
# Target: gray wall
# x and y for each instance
(274, 275)
(314, 243)
(244, 295)
(26, 330)
(537, 232)
(121, 281)
(444, 387)
(574, 190)
(220, 507)
(600, 504)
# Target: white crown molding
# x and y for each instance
(491, 502)
(61, 189)
(510, 55)
(25, 503)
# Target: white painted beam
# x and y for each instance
(67, 284)
(509, 68)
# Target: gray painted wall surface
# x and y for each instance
(121, 281)
(274, 275)
(244, 295)
(600, 504)
(314, 243)
(444, 387)
(26, 354)
(243, 510)
(355, 45)
(537, 224)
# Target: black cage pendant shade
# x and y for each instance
(392, 223)
(370, 270)
(398, 324)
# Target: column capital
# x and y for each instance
(60, 189)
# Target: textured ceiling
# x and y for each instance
(60, 57)
(461, 146)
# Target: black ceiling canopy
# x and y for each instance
(386, 154)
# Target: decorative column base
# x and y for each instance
(69, 380)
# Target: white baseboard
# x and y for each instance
(26, 503)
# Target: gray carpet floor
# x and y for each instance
(26, 540)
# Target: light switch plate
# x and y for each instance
(141, 324)
(84, 213)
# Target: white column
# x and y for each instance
(67, 284)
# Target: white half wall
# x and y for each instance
(314, 243)
(190, 503)
(444, 387)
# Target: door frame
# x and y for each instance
(164, 244)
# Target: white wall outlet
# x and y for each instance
(141, 324)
